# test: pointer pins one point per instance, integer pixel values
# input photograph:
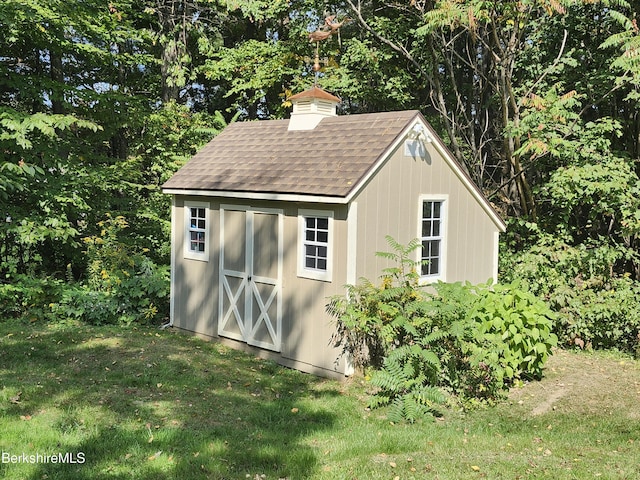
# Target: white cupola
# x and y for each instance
(310, 107)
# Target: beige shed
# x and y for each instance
(271, 218)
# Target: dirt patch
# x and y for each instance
(582, 382)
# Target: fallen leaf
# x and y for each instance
(392, 464)
(25, 417)
(475, 468)
(294, 410)
(155, 455)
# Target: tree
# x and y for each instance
(482, 60)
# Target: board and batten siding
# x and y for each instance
(309, 327)
(306, 327)
(194, 286)
(389, 205)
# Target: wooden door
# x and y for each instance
(251, 249)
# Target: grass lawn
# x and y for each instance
(142, 403)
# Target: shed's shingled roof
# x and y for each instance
(265, 157)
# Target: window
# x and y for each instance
(432, 237)
(197, 230)
(315, 249)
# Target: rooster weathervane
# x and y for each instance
(329, 28)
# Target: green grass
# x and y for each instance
(142, 403)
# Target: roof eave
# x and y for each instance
(270, 196)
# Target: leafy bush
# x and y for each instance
(122, 286)
(29, 296)
(406, 383)
(512, 330)
(596, 306)
(470, 341)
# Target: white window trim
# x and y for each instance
(444, 225)
(201, 256)
(304, 272)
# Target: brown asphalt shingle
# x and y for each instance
(265, 157)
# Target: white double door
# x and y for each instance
(250, 298)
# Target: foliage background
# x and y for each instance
(100, 102)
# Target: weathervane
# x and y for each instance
(330, 27)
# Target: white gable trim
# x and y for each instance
(380, 162)
(464, 178)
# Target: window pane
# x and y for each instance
(323, 237)
(434, 266)
(424, 269)
(436, 228)
(311, 235)
(322, 252)
(435, 248)
(194, 212)
(201, 237)
(194, 246)
(194, 235)
(426, 228)
(193, 223)
(323, 223)
(309, 262)
(311, 222)
(201, 212)
(310, 250)
(322, 264)
(436, 209)
(426, 210)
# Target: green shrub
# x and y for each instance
(602, 316)
(406, 382)
(470, 341)
(513, 331)
(595, 306)
(122, 285)
(29, 296)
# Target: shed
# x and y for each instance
(271, 218)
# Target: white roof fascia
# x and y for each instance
(283, 197)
